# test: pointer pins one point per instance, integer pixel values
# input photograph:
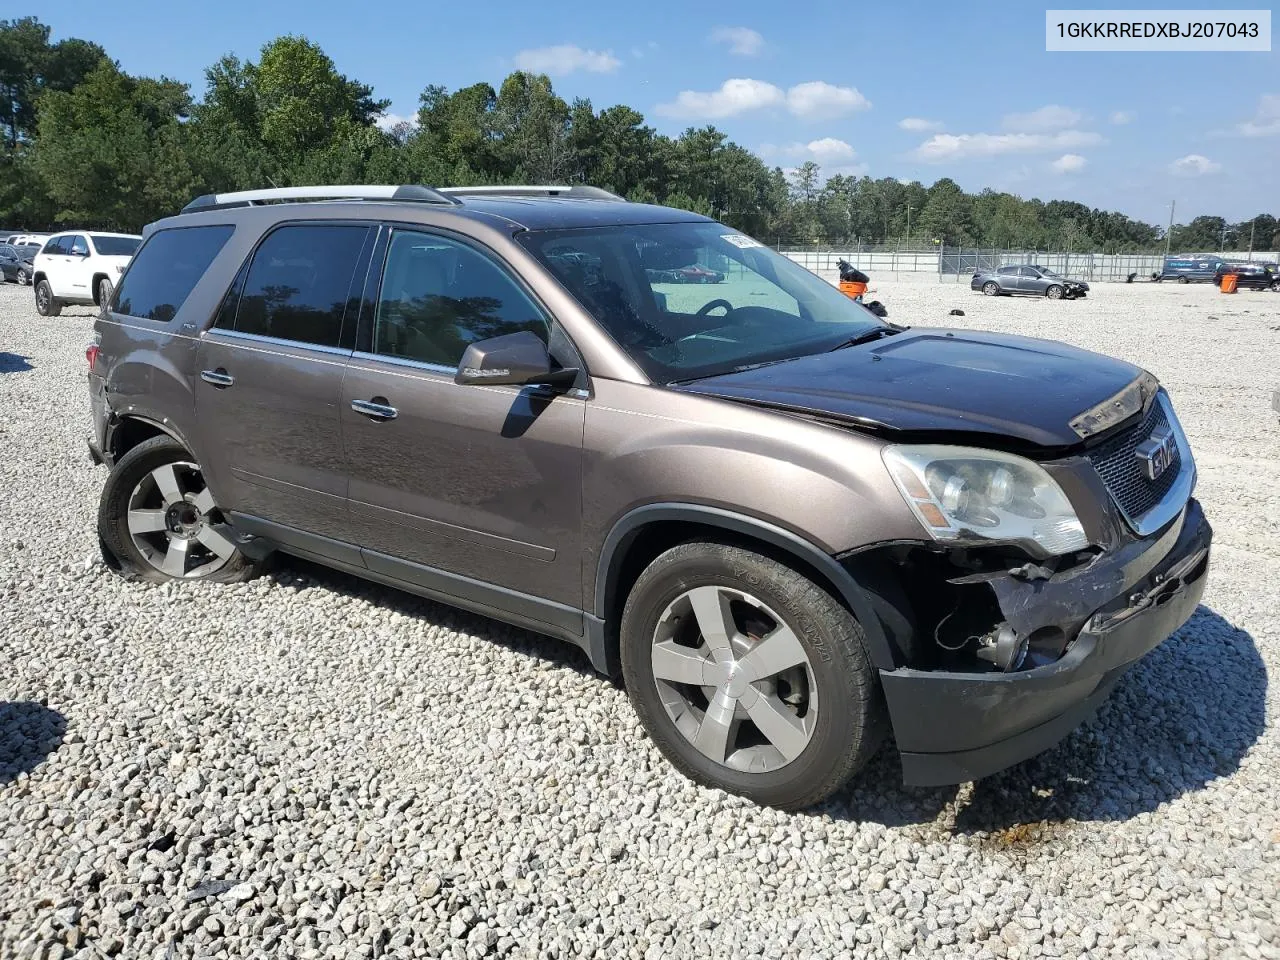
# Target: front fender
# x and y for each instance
(630, 526)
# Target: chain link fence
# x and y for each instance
(960, 263)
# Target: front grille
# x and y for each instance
(1123, 472)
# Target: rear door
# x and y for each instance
(57, 265)
(271, 372)
(476, 482)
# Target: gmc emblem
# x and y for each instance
(1157, 452)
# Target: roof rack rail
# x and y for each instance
(248, 198)
(578, 191)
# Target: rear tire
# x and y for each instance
(991, 289)
(781, 705)
(46, 304)
(1183, 280)
(157, 519)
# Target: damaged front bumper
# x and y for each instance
(952, 727)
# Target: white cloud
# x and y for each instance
(566, 58)
(942, 147)
(811, 100)
(830, 150)
(1069, 163)
(734, 97)
(1121, 117)
(919, 124)
(1266, 122)
(742, 41)
(1046, 119)
(389, 121)
(1194, 165)
(833, 155)
(820, 100)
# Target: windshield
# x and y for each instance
(115, 246)
(692, 300)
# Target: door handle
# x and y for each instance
(219, 377)
(375, 409)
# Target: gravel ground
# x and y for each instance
(311, 766)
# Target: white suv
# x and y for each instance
(80, 267)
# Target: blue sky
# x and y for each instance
(909, 90)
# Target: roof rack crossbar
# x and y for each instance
(577, 191)
(247, 198)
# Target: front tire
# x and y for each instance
(104, 292)
(1183, 280)
(23, 278)
(46, 304)
(158, 521)
(991, 289)
(749, 677)
(1054, 292)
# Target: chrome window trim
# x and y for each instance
(274, 341)
(405, 362)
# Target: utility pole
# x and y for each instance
(1168, 237)
(908, 224)
(1252, 223)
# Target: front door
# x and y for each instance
(481, 482)
(79, 269)
(271, 373)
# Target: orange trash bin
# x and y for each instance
(1229, 281)
(851, 288)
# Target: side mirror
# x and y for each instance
(518, 359)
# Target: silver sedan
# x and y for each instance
(1030, 281)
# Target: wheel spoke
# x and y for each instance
(217, 541)
(718, 726)
(166, 478)
(203, 501)
(175, 560)
(780, 726)
(711, 610)
(677, 664)
(779, 651)
(146, 521)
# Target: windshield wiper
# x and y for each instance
(867, 337)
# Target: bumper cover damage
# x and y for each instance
(953, 727)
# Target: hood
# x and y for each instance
(929, 381)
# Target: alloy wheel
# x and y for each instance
(735, 679)
(23, 279)
(175, 525)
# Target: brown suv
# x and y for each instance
(790, 527)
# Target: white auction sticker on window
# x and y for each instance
(741, 240)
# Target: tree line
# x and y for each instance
(86, 144)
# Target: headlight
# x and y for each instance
(967, 495)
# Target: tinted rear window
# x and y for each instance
(299, 283)
(115, 246)
(167, 268)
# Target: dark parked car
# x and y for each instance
(1251, 276)
(788, 526)
(16, 262)
(1029, 281)
(1189, 269)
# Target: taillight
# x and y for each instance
(91, 354)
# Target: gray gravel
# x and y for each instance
(310, 766)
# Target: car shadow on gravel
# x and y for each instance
(287, 569)
(1182, 717)
(29, 733)
(14, 363)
